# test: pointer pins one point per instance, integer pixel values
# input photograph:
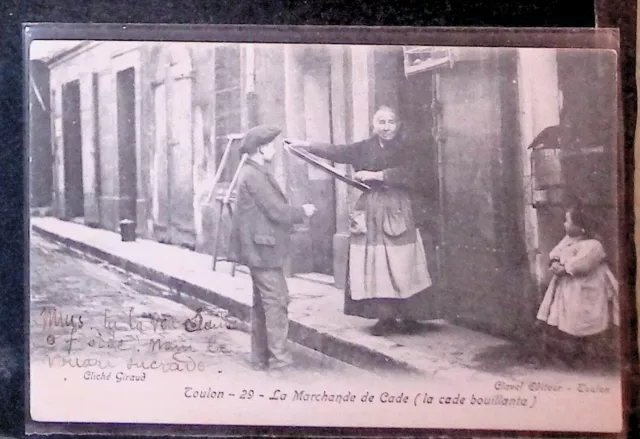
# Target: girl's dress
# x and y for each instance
(387, 263)
(584, 301)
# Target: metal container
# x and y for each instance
(127, 230)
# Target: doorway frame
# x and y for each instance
(58, 79)
(64, 86)
(298, 64)
(131, 58)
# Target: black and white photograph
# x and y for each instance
(334, 235)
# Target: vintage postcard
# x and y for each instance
(324, 235)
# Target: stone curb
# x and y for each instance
(354, 354)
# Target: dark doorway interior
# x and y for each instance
(126, 96)
(589, 144)
(417, 113)
(72, 141)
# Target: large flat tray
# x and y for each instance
(315, 161)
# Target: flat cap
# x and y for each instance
(258, 136)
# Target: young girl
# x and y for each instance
(582, 298)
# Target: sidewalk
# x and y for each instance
(442, 351)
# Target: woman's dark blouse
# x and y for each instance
(395, 159)
(405, 165)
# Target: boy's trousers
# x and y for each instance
(269, 316)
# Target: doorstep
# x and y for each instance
(443, 351)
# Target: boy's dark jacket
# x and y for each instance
(263, 220)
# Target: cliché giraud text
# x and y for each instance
(133, 341)
(118, 377)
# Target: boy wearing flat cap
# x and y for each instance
(260, 239)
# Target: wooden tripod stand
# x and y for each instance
(225, 202)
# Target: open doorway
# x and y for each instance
(127, 166)
(72, 141)
(589, 155)
(320, 188)
(309, 115)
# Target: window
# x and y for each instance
(228, 105)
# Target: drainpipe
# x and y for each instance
(250, 85)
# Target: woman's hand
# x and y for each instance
(369, 176)
(296, 143)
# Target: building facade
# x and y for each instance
(138, 131)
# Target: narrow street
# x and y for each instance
(91, 310)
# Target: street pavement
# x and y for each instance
(440, 351)
(84, 309)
